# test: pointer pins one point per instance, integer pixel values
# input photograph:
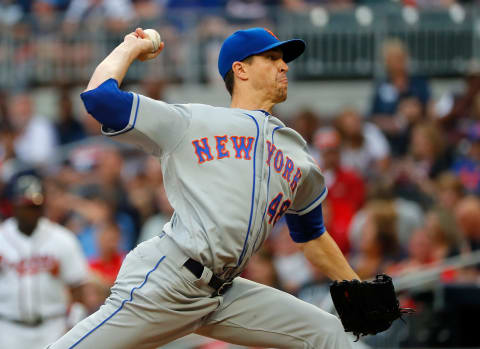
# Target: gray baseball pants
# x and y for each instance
(156, 300)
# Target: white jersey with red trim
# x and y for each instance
(34, 270)
(209, 156)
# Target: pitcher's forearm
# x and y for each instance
(324, 253)
(115, 65)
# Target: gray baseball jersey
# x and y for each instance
(230, 174)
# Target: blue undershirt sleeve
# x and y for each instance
(109, 105)
(306, 227)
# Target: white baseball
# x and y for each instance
(154, 36)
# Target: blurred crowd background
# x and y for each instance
(401, 161)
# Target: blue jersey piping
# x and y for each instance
(134, 120)
(313, 202)
(253, 191)
(268, 191)
(121, 305)
(266, 113)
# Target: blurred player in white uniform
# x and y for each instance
(230, 174)
(39, 259)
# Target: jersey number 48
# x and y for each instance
(273, 208)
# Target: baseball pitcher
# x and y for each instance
(230, 174)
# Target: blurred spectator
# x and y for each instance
(8, 166)
(409, 113)
(7, 147)
(364, 147)
(116, 14)
(437, 240)
(44, 19)
(293, 269)
(211, 33)
(91, 209)
(449, 190)
(90, 125)
(467, 215)
(379, 247)
(108, 167)
(409, 215)
(428, 150)
(398, 85)
(306, 123)
(80, 163)
(10, 12)
(346, 189)
(9, 163)
(153, 172)
(108, 263)
(240, 11)
(148, 10)
(143, 182)
(95, 293)
(427, 158)
(261, 269)
(109, 177)
(420, 254)
(154, 88)
(42, 264)
(68, 128)
(444, 236)
(141, 193)
(44, 24)
(467, 167)
(457, 110)
(154, 225)
(55, 208)
(3, 107)
(95, 169)
(35, 135)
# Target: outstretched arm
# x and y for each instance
(151, 125)
(318, 246)
(324, 253)
(135, 45)
(103, 99)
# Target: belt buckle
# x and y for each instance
(224, 288)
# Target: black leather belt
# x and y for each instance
(35, 322)
(220, 286)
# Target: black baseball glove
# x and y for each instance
(367, 307)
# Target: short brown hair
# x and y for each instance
(229, 82)
(229, 77)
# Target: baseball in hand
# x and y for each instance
(154, 36)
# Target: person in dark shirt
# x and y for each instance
(467, 167)
(467, 216)
(68, 128)
(346, 188)
(398, 85)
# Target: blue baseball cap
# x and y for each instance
(249, 42)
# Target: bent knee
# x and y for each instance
(329, 324)
(328, 332)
